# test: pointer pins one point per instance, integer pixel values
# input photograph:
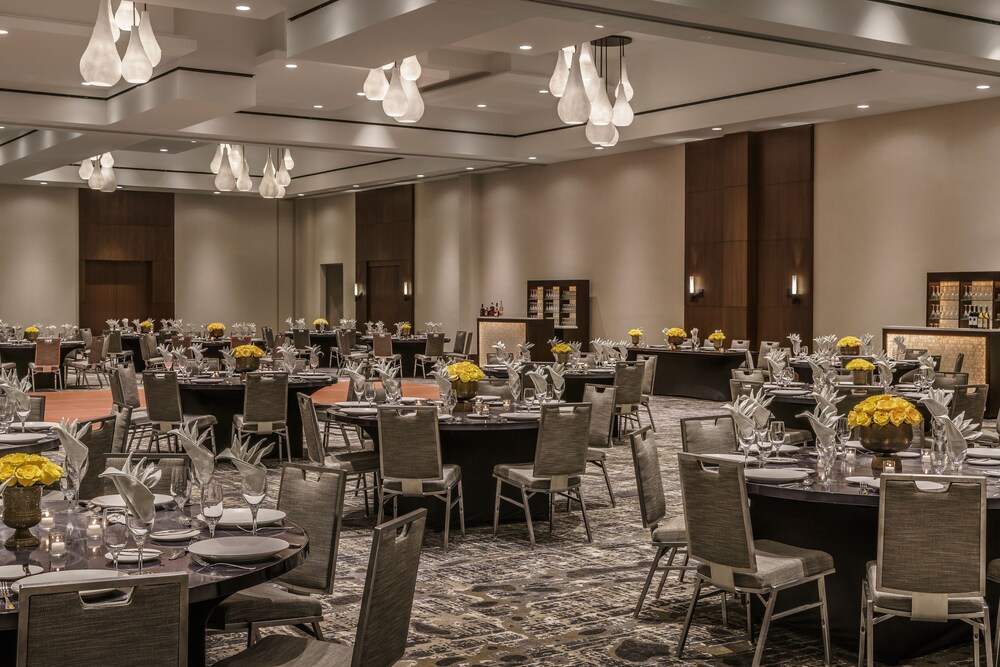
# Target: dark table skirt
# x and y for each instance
(703, 375)
(22, 355)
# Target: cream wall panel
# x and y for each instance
(324, 234)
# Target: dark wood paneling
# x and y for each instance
(384, 252)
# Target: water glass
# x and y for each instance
(140, 528)
(69, 483)
(843, 432)
(529, 396)
(180, 488)
(22, 411)
(939, 453)
(824, 464)
(211, 505)
(763, 448)
(370, 393)
(359, 388)
(745, 438)
(776, 431)
(254, 490)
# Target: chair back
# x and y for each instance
(99, 440)
(409, 445)
(163, 397)
(301, 338)
(488, 387)
(352, 338)
(628, 379)
(150, 626)
(123, 423)
(310, 430)
(37, 413)
(971, 400)
(563, 434)
(166, 462)
(236, 341)
(95, 354)
(114, 341)
(708, 435)
(602, 413)
(147, 346)
(266, 398)
(384, 622)
(434, 347)
(268, 337)
(343, 342)
(460, 344)
(648, 479)
(382, 345)
(765, 347)
(914, 353)
(948, 522)
(748, 374)
(739, 388)
(959, 361)
(124, 385)
(739, 344)
(47, 352)
(313, 498)
(717, 513)
(648, 373)
(86, 335)
(854, 396)
(948, 380)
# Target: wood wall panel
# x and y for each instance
(384, 221)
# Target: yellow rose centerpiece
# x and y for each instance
(849, 345)
(23, 476)
(862, 369)
(146, 326)
(717, 338)
(561, 352)
(885, 426)
(405, 329)
(31, 333)
(465, 377)
(675, 336)
(636, 335)
(320, 324)
(247, 358)
(216, 329)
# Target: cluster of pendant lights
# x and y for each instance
(232, 171)
(98, 173)
(101, 65)
(397, 92)
(581, 82)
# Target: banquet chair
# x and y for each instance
(628, 398)
(912, 354)
(666, 533)
(86, 337)
(910, 375)
(99, 440)
(93, 362)
(268, 334)
(853, 396)
(738, 344)
(355, 465)
(117, 354)
(53, 624)
(970, 400)
(720, 538)
(125, 389)
(382, 350)
(236, 341)
(150, 354)
(765, 347)
(748, 374)
(493, 387)
(165, 462)
(384, 621)
(265, 409)
(558, 469)
(312, 497)
(959, 361)
(739, 388)
(463, 343)
(708, 435)
(648, 381)
(123, 422)
(163, 404)
(410, 461)
(948, 380)
(433, 351)
(37, 413)
(301, 340)
(602, 417)
(345, 351)
(7, 365)
(47, 359)
(949, 522)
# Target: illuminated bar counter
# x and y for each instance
(512, 331)
(981, 348)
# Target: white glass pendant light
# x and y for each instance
(86, 169)
(560, 75)
(96, 181)
(123, 17)
(574, 106)
(376, 85)
(599, 135)
(414, 103)
(588, 70)
(395, 102)
(149, 43)
(110, 180)
(280, 194)
(115, 31)
(136, 67)
(622, 116)
(100, 64)
(225, 180)
(600, 106)
(614, 137)
(235, 158)
(289, 162)
(410, 69)
(282, 178)
(268, 186)
(217, 160)
(626, 86)
(244, 183)
(107, 160)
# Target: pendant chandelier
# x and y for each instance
(232, 171)
(398, 92)
(101, 65)
(582, 82)
(99, 173)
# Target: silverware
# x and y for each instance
(177, 554)
(5, 592)
(204, 563)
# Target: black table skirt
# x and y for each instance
(703, 375)
(407, 348)
(22, 355)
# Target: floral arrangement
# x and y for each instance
(146, 324)
(247, 351)
(716, 335)
(635, 332)
(31, 330)
(216, 327)
(883, 409)
(561, 348)
(675, 332)
(405, 326)
(464, 371)
(29, 470)
(849, 341)
(860, 365)
(320, 322)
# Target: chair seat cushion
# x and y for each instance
(239, 421)
(597, 453)
(140, 416)
(671, 531)
(779, 563)
(291, 651)
(993, 570)
(904, 603)
(154, 361)
(354, 462)
(988, 439)
(265, 602)
(201, 421)
(451, 475)
(523, 474)
(798, 436)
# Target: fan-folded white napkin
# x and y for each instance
(202, 460)
(247, 459)
(134, 484)
(539, 380)
(556, 373)
(77, 453)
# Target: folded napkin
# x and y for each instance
(444, 382)
(826, 435)
(300, 323)
(314, 355)
(389, 380)
(745, 425)
(247, 459)
(77, 453)
(827, 399)
(539, 380)
(825, 344)
(900, 343)
(16, 389)
(228, 361)
(202, 460)
(796, 341)
(514, 369)
(958, 431)
(135, 483)
(866, 343)
(556, 373)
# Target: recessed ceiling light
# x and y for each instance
(598, 25)
(317, 106)
(469, 168)
(163, 150)
(598, 148)
(85, 83)
(291, 66)
(242, 8)
(355, 186)
(480, 106)
(302, 194)
(420, 175)
(360, 93)
(119, 187)
(543, 91)
(983, 86)
(216, 193)
(532, 157)
(44, 183)
(862, 106)
(525, 47)
(193, 141)
(2, 127)
(716, 129)
(3, 32)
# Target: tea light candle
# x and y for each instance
(851, 456)
(48, 519)
(889, 467)
(506, 405)
(57, 545)
(94, 529)
(925, 462)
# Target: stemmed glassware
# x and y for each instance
(557, 392)
(22, 411)
(115, 528)
(359, 389)
(939, 448)
(763, 445)
(745, 437)
(180, 489)
(140, 528)
(69, 483)
(450, 401)
(254, 490)
(370, 393)
(776, 433)
(211, 505)
(529, 396)
(843, 433)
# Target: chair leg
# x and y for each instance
(652, 422)
(527, 517)
(583, 508)
(680, 573)
(552, 510)
(381, 505)
(607, 480)
(869, 632)
(649, 577)
(447, 517)
(461, 509)
(496, 508)
(975, 645)
(987, 640)
(824, 617)
(764, 625)
(690, 616)
(317, 630)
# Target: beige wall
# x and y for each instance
(232, 259)
(617, 220)
(39, 255)
(898, 196)
(324, 234)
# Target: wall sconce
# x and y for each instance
(794, 293)
(407, 291)
(694, 294)
(358, 292)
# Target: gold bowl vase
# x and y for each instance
(862, 377)
(674, 341)
(247, 364)
(635, 341)
(464, 391)
(885, 441)
(562, 357)
(22, 509)
(851, 351)
(31, 336)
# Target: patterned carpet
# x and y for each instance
(495, 602)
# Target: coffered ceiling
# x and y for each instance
(695, 65)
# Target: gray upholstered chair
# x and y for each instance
(313, 498)
(150, 354)
(708, 435)
(384, 622)
(463, 343)
(382, 350)
(765, 347)
(265, 409)
(628, 398)
(720, 539)
(117, 354)
(345, 349)
(739, 388)
(970, 400)
(648, 381)
(91, 363)
(236, 341)
(666, 533)
(433, 350)
(739, 344)
(959, 361)
(53, 625)
(125, 391)
(491, 387)
(914, 353)
(748, 374)
(166, 462)
(37, 404)
(99, 440)
(47, 360)
(602, 417)
(560, 463)
(410, 460)
(949, 522)
(163, 403)
(301, 340)
(948, 380)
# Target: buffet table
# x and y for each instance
(692, 373)
(22, 353)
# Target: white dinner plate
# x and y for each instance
(360, 412)
(487, 399)
(20, 438)
(15, 572)
(352, 404)
(174, 534)
(71, 576)
(735, 458)
(115, 500)
(982, 453)
(132, 555)
(520, 416)
(473, 415)
(788, 392)
(36, 426)
(908, 455)
(444, 417)
(791, 385)
(775, 475)
(207, 380)
(408, 400)
(239, 517)
(861, 479)
(781, 461)
(782, 449)
(241, 549)
(983, 462)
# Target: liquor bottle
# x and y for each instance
(501, 309)
(482, 310)
(492, 311)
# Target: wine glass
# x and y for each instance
(180, 489)
(140, 527)
(763, 446)
(745, 437)
(254, 490)
(843, 433)
(776, 432)
(450, 401)
(69, 484)
(359, 389)
(22, 410)
(557, 392)
(370, 393)
(529, 396)
(211, 505)
(115, 527)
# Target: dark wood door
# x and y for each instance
(113, 290)
(385, 294)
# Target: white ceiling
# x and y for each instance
(695, 64)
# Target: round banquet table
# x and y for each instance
(575, 380)
(902, 367)
(477, 446)
(48, 443)
(406, 348)
(788, 408)
(213, 347)
(703, 374)
(203, 396)
(843, 522)
(208, 586)
(23, 353)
